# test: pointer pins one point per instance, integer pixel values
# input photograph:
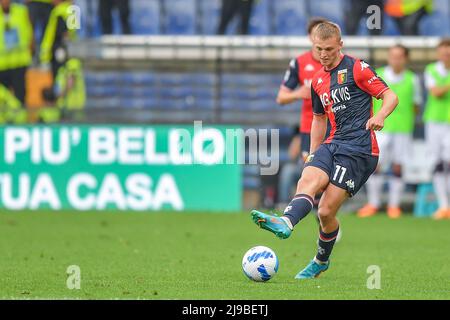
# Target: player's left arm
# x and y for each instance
(367, 80)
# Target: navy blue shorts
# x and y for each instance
(346, 169)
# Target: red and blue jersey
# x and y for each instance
(301, 71)
(344, 94)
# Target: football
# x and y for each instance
(260, 263)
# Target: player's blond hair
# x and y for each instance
(327, 30)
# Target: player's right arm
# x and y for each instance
(433, 88)
(291, 90)
(319, 122)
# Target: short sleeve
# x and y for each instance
(430, 82)
(291, 80)
(367, 79)
(316, 103)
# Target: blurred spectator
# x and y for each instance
(54, 43)
(408, 13)
(15, 47)
(105, 10)
(290, 172)
(395, 140)
(67, 97)
(39, 15)
(230, 8)
(357, 9)
(437, 125)
(296, 86)
(11, 110)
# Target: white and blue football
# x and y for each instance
(260, 263)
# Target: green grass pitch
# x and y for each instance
(198, 256)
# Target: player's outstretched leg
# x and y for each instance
(312, 181)
(328, 233)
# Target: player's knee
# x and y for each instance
(325, 212)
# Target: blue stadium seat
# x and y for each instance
(139, 103)
(204, 103)
(290, 17)
(390, 27)
(103, 102)
(333, 10)
(139, 92)
(203, 79)
(260, 20)
(437, 23)
(209, 16)
(172, 78)
(102, 91)
(101, 78)
(180, 17)
(138, 78)
(145, 17)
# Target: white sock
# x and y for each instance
(440, 188)
(288, 222)
(374, 188)
(396, 186)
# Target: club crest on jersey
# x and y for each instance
(342, 76)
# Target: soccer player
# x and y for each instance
(342, 91)
(396, 138)
(437, 125)
(297, 86)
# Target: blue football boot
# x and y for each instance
(312, 270)
(272, 223)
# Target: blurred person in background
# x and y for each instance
(54, 44)
(357, 9)
(16, 46)
(230, 8)
(437, 125)
(39, 14)
(296, 86)
(290, 171)
(67, 98)
(395, 140)
(408, 13)
(11, 111)
(106, 8)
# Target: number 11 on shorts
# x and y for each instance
(336, 173)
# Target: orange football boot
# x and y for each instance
(441, 214)
(367, 211)
(394, 212)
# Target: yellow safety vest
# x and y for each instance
(60, 11)
(15, 41)
(401, 8)
(73, 99)
(11, 110)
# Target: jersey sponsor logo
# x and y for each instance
(319, 81)
(337, 96)
(372, 79)
(342, 76)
